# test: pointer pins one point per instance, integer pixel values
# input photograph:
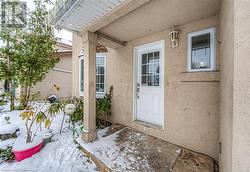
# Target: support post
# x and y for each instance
(89, 46)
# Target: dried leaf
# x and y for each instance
(47, 123)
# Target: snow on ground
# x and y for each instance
(106, 149)
(61, 155)
(7, 128)
(6, 143)
(130, 150)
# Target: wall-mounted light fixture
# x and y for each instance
(174, 36)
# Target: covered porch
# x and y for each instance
(121, 26)
(204, 109)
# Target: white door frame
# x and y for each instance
(158, 44)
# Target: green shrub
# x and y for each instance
(55, 107)
(77, 116)
(103, 108)
(20, 107)
(2, 102)
(3, 99)
(6, 155)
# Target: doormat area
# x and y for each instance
(121, 149)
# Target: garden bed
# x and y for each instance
(61, 154)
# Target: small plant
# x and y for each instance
(56, 105)
(20, 107)
(103, 111)
(55, 108)
(36, 96)
(2, 103)
(37, 116)
(61, 106)
(103, 108)
(2, 99)
(77, 116)
(6, 155)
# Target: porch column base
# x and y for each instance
(89, 136)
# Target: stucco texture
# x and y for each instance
(191, 112)
(61, 79)
(76, 49)
(241, 92)
(191, 107)
(226, 84)
(234, 87)
(201, 109)
(158, 15)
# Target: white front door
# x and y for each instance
(149, 86)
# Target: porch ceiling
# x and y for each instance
(119, 20)
(75, 15)
(158, 15)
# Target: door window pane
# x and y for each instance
(150, 57)
(156, 55)
(150, 69)
(144, 79)
(156, 81)
(144, 69)
(144, 59)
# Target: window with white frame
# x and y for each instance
(100, 74)
(201, 50)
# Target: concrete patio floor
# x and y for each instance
(120, 149)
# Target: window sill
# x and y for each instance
(98, 95)
(200, 76)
